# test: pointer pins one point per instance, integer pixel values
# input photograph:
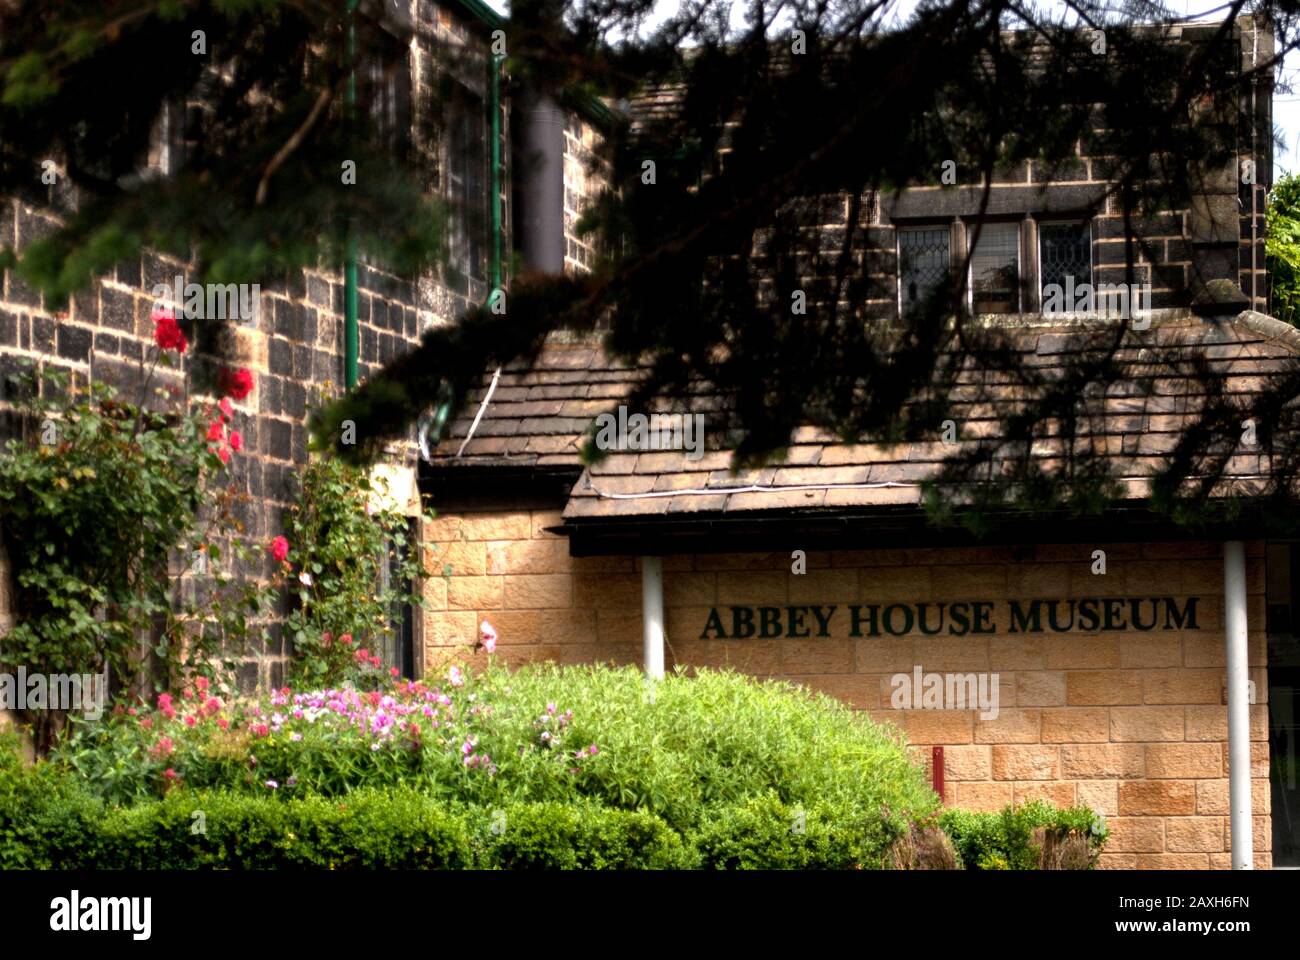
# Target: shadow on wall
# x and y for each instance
(8, 720)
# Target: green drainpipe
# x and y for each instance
(351, 335)
(494, 104)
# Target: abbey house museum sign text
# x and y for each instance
(955, 619)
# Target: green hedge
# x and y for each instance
(556, 836)
(764, 833)
(48, 820)
(1033, 836)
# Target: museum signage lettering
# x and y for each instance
(1089, 614)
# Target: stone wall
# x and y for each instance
(1130, 723)
(294, 343)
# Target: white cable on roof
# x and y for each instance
(479, 416)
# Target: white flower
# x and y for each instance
(304, 578)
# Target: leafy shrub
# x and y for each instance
(371, 829)
(45, 817)
(94, 503)
(687, 745)
(559, 836)
(1282, 248)
(541, 734)
(763, 834)
(342, 550)
(719, 760)
(1033, 836)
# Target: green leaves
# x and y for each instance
(27, 82)
(90, 522)
(344, 548)
(1282, 246)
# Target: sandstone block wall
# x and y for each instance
(1130, 723)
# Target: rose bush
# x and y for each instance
(98, 499)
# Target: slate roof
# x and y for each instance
(538, 412)
(539, 415)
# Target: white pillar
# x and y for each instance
(1234, 630)
(652, 616)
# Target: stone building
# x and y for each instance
(1127, 691)
(1159, 692)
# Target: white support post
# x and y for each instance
(652, 616)
(1234, 615)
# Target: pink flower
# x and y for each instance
(223, 723)
(592, 750)
(171, 774)
(487, 637)
(224, 454)
(190, 721)
(346, 639)
(146, 723)
(211, 706)
(131, 711)
(202, 684)
(227, 408)
(454, 675)
(279, 549)
(165, 706)
(236, 441)
(393, 672)
(216, 430)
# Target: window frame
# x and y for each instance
(944, 226)
(1018, 227)
(1081, 220)
(468, 243)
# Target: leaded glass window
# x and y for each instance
(924, 263)
(1064, 252)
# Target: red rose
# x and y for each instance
(224, 454)
(227, 410)
(236, 383)
(280, 548)
(166, 332)
(216, 430)
(236, 441)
